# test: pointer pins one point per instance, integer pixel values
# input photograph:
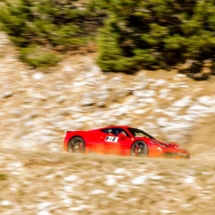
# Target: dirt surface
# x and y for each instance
(37, 181)
(202, 138)
(48, 183)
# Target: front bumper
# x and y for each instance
(176, 155)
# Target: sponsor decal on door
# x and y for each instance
(111, 139)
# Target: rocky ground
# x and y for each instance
(44, 183)
(38, 106)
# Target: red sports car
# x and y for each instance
(121, 140)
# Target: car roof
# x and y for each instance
(111, 126)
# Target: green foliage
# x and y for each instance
(48, 23)
(38, 57)
(156, 33)
(135, 34)
(3, 177)
(111, 54)
(46, 20)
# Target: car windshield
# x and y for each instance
(139, 133)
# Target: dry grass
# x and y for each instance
(46, 183)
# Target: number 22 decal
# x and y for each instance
(111, 139)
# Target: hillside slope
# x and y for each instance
(49, 183)
(37, 107)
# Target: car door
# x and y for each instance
(112, 142)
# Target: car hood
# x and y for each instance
(165, 144)
(169, 145)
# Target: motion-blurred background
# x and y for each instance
(81, 64)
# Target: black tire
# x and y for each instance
(76, 145)
(139, 149)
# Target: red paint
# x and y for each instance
(98, 141)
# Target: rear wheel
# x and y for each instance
(76, 145)
(139, 148)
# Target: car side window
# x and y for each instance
(107, 131)
(115, 131)
(120, 131)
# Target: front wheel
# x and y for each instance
(76, 145)
(139, 149)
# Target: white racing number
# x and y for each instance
(111, 139)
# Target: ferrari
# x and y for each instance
(121, 140)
